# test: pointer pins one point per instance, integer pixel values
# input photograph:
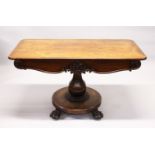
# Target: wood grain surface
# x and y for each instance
(77, 49)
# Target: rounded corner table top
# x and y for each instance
(77, 49)
(77, 56)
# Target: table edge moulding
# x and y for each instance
(77, 56)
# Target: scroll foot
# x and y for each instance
(97, 114)
(55, 114)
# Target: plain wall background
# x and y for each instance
(10, 36)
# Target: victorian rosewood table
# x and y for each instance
(77, 57)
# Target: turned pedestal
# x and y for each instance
(76, 99)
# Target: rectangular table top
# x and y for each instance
(77, 49)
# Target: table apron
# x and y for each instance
(57, 65)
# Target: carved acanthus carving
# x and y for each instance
(77, 66)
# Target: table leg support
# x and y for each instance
(97, 114)
(76, 99)
(55, 114)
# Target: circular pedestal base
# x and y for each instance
(88, 103)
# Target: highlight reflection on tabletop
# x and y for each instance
(77, 49)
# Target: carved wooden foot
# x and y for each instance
(97, 114)
(55, 114)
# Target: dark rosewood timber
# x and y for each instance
(77, 98)
(89, 105)
(77, 87)
(58, 65)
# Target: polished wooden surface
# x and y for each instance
(77, 49)
(61, 102)
(57, 66)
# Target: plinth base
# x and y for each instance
(89, 103)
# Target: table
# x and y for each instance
(77, 56)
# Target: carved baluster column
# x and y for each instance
(77, 86)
